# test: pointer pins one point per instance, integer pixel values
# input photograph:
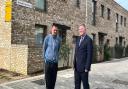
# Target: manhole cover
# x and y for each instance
(120, 82)
(39, 82)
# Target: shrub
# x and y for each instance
(107, 53)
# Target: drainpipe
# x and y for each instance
(86, 11)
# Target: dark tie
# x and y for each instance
(81, 39)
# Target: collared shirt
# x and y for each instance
(82, 38)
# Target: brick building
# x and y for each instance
(22, 36)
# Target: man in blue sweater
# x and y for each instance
(51, 48)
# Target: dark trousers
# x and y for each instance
(81, 76)
(50, 75)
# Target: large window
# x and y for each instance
(40, 33)
(41, 4)
(102, 10)
(62, 31)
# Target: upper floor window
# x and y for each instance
(125, 21)
(94, 8)
(102, 10)
(117, 21)
(117, 18)
(41, 4)
(108, 12)
(121, 20)
(78, 3)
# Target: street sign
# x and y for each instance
(23, 3)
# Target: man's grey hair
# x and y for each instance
(83, 26)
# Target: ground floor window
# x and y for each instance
(40, 33)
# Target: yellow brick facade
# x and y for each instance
(5, 38)
(12, 57)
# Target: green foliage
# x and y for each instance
(107, 53)
(119, 51)
(126, 51)
(94, 53)
(64, 51)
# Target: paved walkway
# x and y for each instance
(106, 75)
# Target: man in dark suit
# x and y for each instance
(82, 58)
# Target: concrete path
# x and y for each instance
(105, 75)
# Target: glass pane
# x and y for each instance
(40, 4)
(39, 35)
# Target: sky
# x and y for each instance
(123, 3)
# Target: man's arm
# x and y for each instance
(75, 53)
(89, 55)
(45, 44)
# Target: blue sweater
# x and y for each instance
(51, 48)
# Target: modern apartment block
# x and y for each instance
(25, 23)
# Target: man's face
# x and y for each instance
(82, 30)
(54, 30)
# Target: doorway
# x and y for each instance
(64, 50)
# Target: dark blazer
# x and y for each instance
(83, 54)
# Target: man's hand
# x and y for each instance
(86, 70)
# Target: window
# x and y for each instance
(116, 40)
(121, 20)
(78, 3)
(94, 4)
(94, 38)
(75, 39)
(120, 40)
(41, 4)
(62, 30)
(117, 16)
(109, 12)
(101, 39)
(125, 22)
(102, 10)
(40, 33)
(62, 34)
